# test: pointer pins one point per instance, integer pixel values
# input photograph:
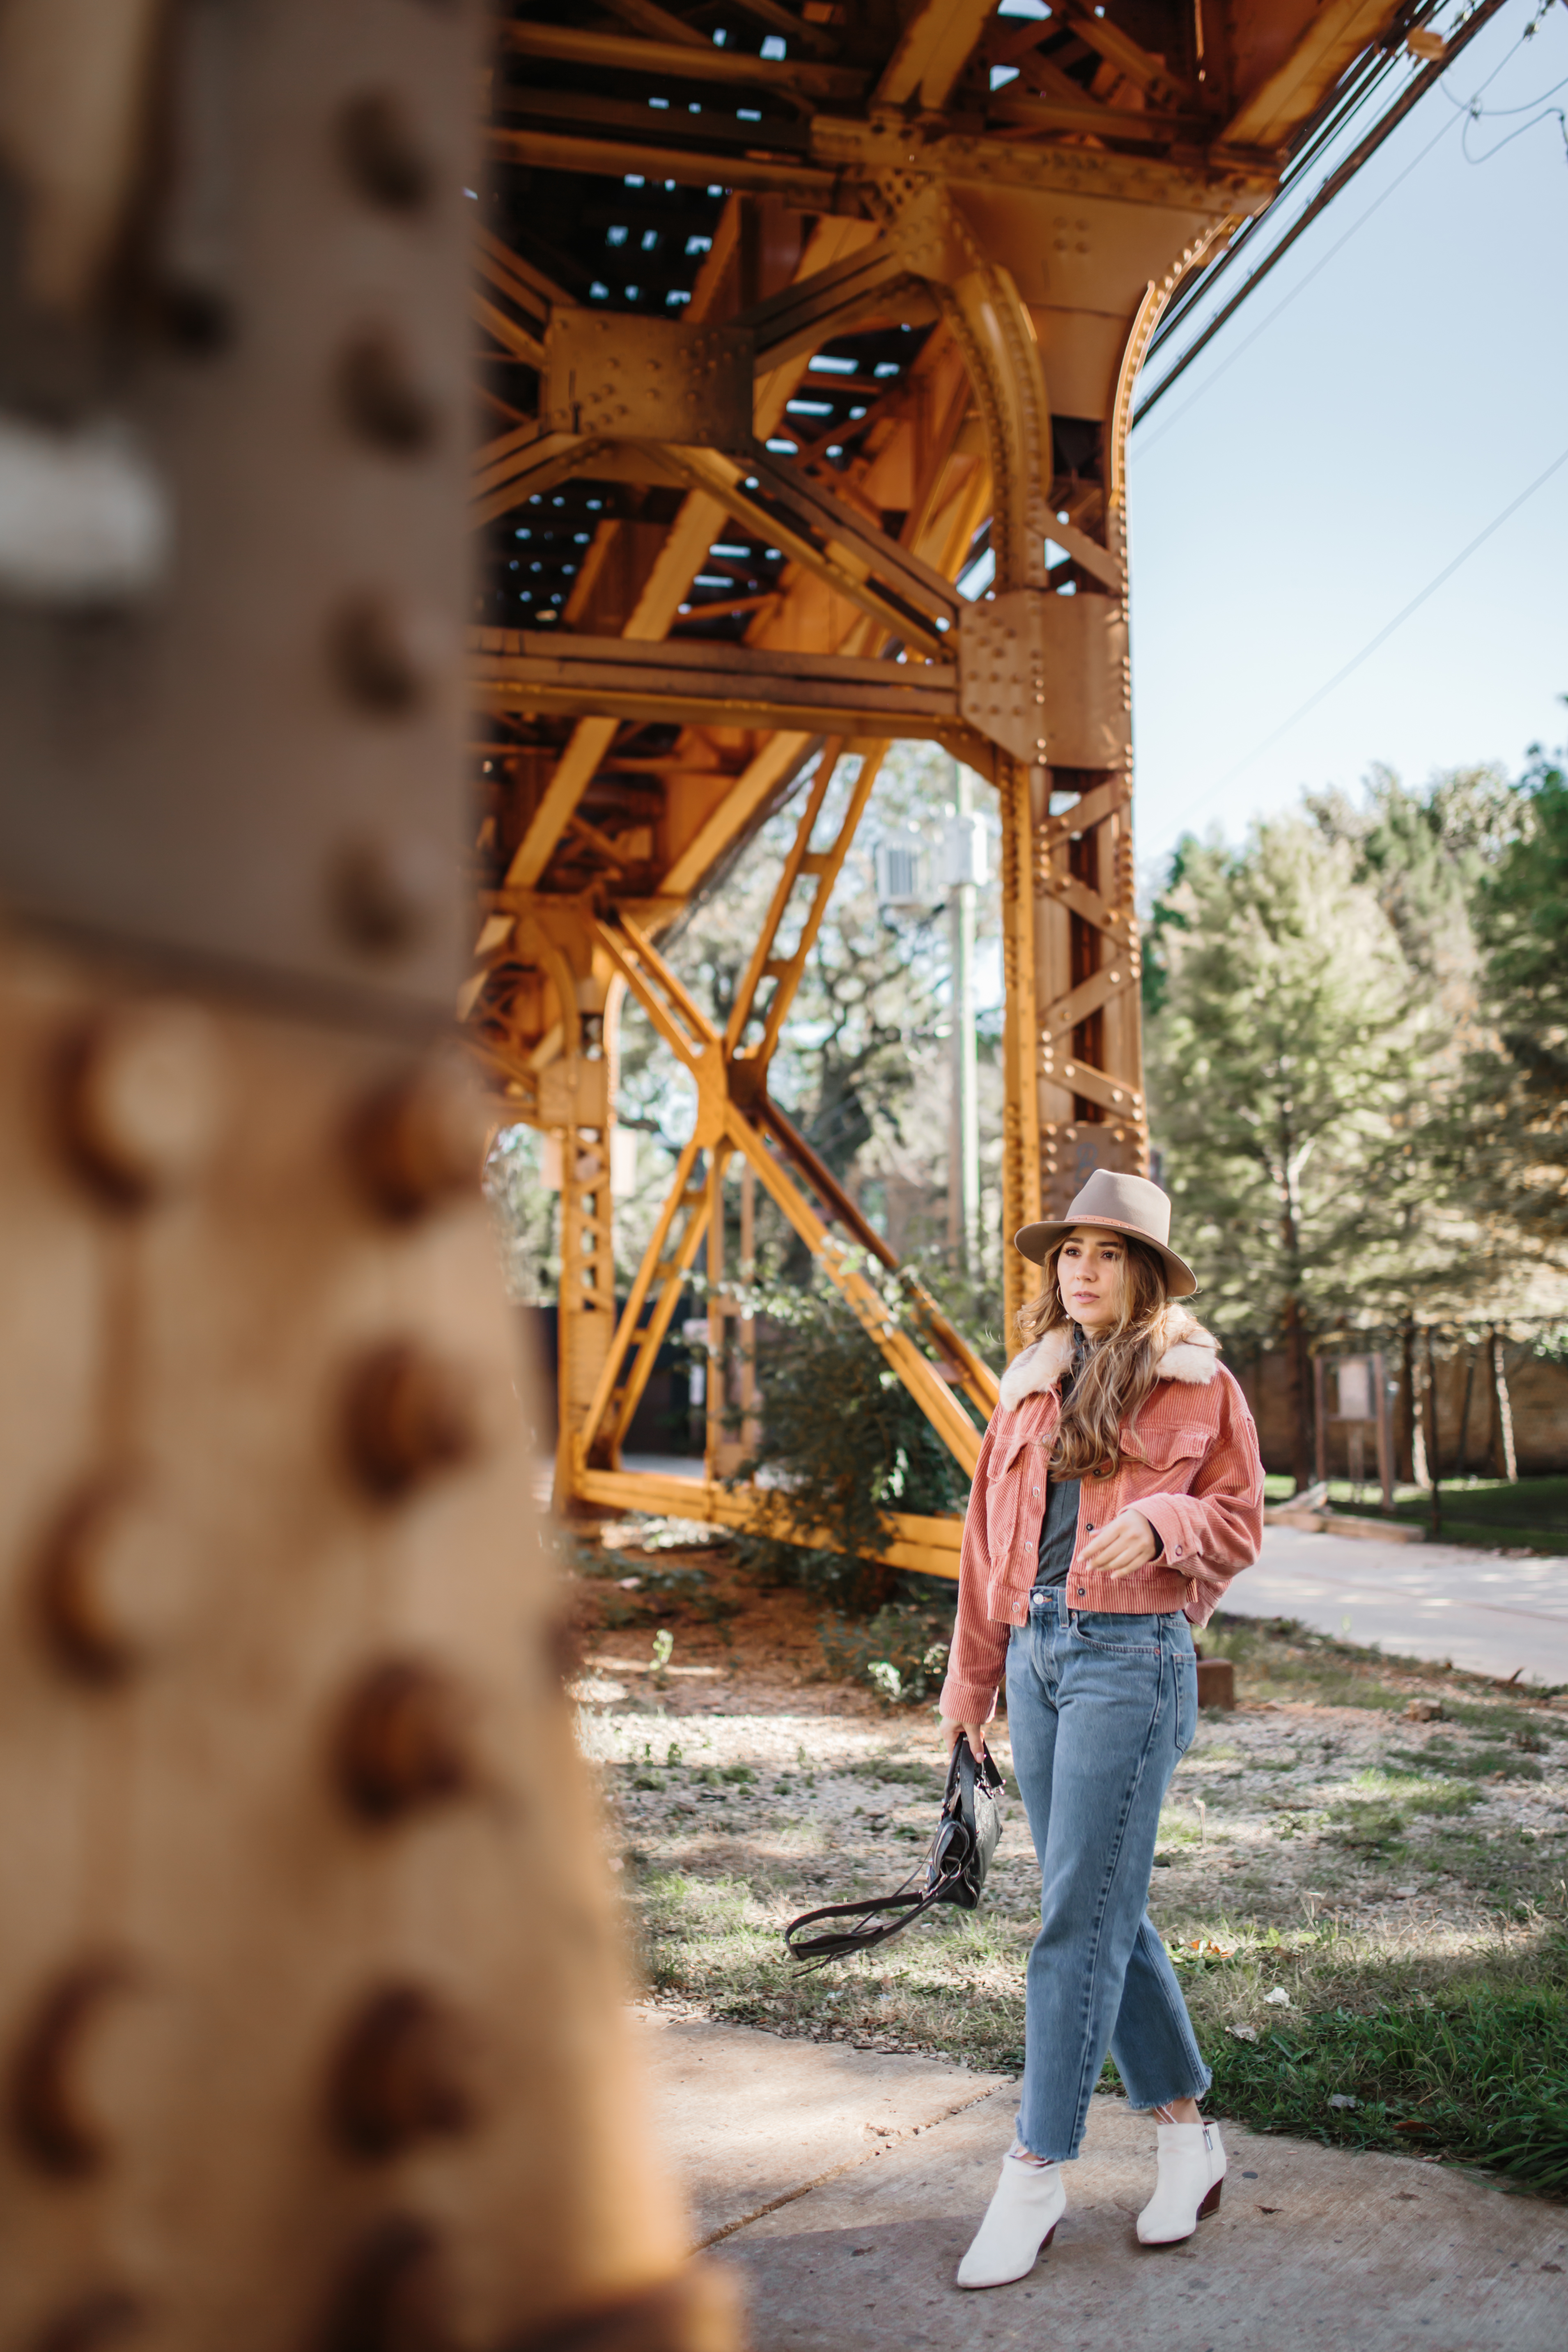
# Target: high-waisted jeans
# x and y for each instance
(1100, 1710)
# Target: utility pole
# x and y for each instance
(965, 870)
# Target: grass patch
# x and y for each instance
(1278, 1658)
(1440, 1755)
(953, 1990)
(1479, 2072)
(1532, 1514)
(1529, 1515)
(1466, 2057)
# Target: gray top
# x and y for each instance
(1058, 1528)
(1059, 1531)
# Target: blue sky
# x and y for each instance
(1285, 506)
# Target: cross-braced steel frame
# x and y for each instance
(980, 271)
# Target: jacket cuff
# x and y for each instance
(966, 1701)
(1166, 1515)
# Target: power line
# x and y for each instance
(1338, 179)
(1372, 644)
(1154, 439)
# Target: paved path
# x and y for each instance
(844, 2186)
(1494, 1615)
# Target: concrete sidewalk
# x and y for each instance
(1492, 1614)
(844, 2186)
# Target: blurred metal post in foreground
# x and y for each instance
(310, 1992)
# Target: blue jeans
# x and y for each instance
(1100, 1710)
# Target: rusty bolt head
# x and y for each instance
(197, 319)
(115, 1581)
(420, 1140)
(143, 1099)
(68, 2092)
(384, 154)
(381, 892)
(405, 2073)
(410, 1416)
(404, 1740)
(395, 2294)
(379, 657)
(382, 396)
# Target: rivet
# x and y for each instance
(381, 894)
(197, 320)
(114, 1582)
(403, 1741)
(377, 656)
(141, 1099)
(420, 1139)
(395, 2294)
(382, 396)
(105, 2315)
(404, 2074)
(64, 2086)
(409, 1414)
(381, 148)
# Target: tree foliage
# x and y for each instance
(1518, 1101)
(1296, 1065)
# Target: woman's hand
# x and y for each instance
(976, 1734)
(1126, 1545)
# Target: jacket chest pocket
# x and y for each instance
(1172, 1455)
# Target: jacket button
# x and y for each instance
(1088, 1527)
(1036, 1493)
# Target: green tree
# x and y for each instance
(1518, 1100)
(1424, 855)
(1293, 1065)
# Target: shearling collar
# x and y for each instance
(1190, 1353)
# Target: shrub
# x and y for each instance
(902, 1651)
(842, 1444)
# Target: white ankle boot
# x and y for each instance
(1192, 2168)
(1020, 2220)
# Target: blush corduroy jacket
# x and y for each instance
(1189, 1463)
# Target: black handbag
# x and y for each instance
(953, 1872)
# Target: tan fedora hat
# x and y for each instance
(1124, 1204)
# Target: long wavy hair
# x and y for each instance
(1117, 1373)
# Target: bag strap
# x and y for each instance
(816, 1951)
(944, 1867)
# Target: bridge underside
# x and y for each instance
(788, 320)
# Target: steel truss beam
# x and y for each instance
(922, 1546)
(692, 684)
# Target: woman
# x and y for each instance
(1118, 1490)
